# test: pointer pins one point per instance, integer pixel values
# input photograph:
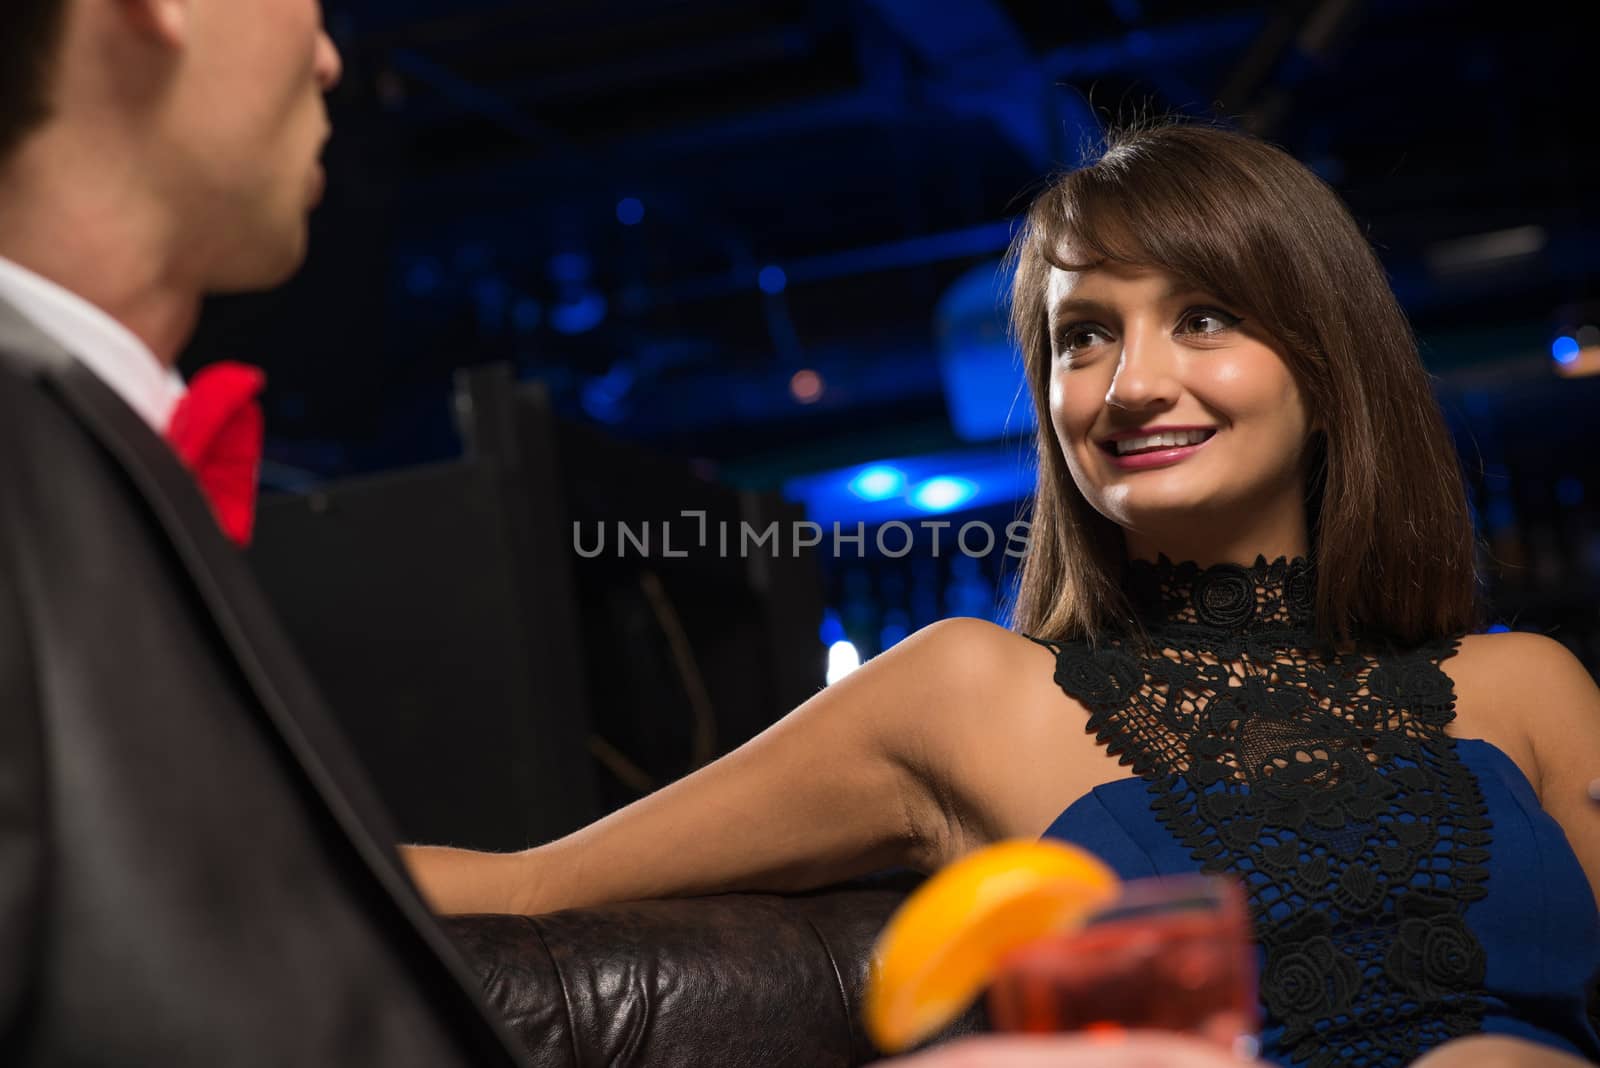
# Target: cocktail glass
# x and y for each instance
(1173, 953)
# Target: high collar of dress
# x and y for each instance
(1278, 595)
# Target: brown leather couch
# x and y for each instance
(713, 982)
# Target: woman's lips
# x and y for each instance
(1162, 457)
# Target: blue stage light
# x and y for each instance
(832, 629)
(943, 494)
(772, 279)
(579, 314)
(630, 211)
(1499, 628)
(605, 398)
(1564, 349)
(878, 483)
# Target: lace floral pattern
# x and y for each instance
(1322, 778)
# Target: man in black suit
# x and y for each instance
(192, 868)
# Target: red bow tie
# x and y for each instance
(216, 431)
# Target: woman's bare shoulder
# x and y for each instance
(1513, 665)
(1008, 743)
(1526, 688)
(981, 665)
(972, 644)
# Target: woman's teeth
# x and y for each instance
(1168, 440)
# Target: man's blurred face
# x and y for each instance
(248, 124)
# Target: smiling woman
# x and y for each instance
(1250, 581)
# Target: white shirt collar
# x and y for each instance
(105, 346)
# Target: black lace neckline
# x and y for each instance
(1227, 597)
(1324, 778)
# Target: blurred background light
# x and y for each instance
(906, 487)
(943, 494)
(832, 630)
(578, 314)
(878, 482)
(772, 279)
(806, 386)
(630, 211)
(842, 659)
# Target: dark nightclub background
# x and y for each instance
(729, 255)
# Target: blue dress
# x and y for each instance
(1406, 887)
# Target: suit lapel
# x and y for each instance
(242, 616)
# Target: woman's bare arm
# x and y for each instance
(1496, 1051)
(846, 784)
(1532, 684)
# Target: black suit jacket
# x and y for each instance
(193, 869)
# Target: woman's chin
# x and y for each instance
(1159, 506)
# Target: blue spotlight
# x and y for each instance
(1499, 628)
(1564, 349)
(630, 211)
(943, 494)
(832, 629)
(772, 279)
(606, 397)
(878, 483)
(578, 314)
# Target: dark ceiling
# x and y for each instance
(489, 157)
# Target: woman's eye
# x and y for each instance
(1207, 321)
(1077, 338)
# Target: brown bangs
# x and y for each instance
(1185, 212)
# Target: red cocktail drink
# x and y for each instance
(1171, 954)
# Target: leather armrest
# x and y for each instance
(737, 979)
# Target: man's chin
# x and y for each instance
(267, 268)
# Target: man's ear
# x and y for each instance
(168, 20)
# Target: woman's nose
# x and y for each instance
(1145, 375)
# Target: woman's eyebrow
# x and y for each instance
(1091, 306)
(1079, 306)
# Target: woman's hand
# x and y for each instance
(1133, 1049)
(1495, 1051)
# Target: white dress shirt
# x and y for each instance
(102, 344)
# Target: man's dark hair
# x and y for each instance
(30, 37)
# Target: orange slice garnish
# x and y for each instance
(943, 944)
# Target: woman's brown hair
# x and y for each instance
(1391, 533)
